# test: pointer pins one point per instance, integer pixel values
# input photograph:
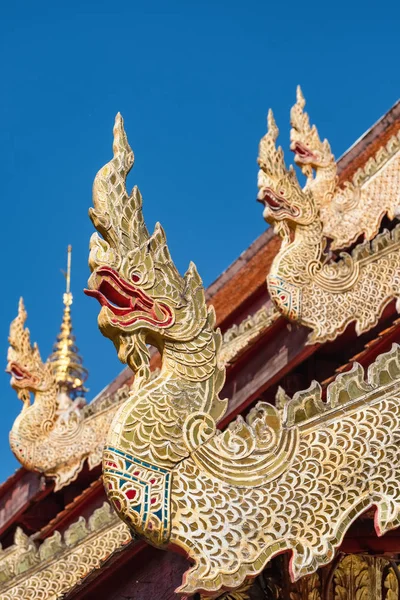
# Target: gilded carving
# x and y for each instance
(305, 284)
(240, 593)
(43, 437)
(352, 579)
(307, 588)
(358, 207)
(50, 571)
(273, 482)
(391, 585)
(238, 337)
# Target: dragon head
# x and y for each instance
(143, 298)
(278, 188)
(28, 372)
(310, 152)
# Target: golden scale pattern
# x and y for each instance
(357, 208)
(306, 285)
(51, 570)
(271, 483)
(29, 572)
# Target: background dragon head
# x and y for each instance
(278, 188)
(28, 372)
(310, 152)
(143, 298)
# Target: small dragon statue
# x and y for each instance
(306, 286)
(46, 437)
(346, 211)
(290, 480)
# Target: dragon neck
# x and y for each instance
(36, 420)
(149, 425)
(324, 184)
(296, 259)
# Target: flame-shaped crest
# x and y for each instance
(270, 158)
(279, 189)
(24, 363)
(19, 338)
(134, 277)
(305, 140)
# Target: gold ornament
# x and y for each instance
(357, 208)
(305, 284)
(67, 365)
(47, 572)
(50, 435)
(307, 588)
(269, 483)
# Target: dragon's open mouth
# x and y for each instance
(267, 197)
(18, 373)
(301, 151)
(124, 299)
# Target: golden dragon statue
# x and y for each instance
(48, 436)
(277, 481)
(305, 284)
(356, 208)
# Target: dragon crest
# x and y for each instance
(28, 372)
(351, 209)
(140, 290)
(310, 152)
(279, 190)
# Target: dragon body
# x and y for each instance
(273, 482)
(305, 285)
(48, 436)
(355, 209)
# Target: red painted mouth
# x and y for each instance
(268, 197)
(123, 299)
(17, 372)
(301, 151)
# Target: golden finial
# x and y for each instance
(67, 364)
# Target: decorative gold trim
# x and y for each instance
(67, 365)
(306, 285)
(357, 208)
(50, 435)
(28, 572)
(238, 337)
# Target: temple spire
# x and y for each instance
(68, 367)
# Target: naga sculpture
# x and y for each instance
(290, 480)
(48, 436)
(357, 208)
(305, 284)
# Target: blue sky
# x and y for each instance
(194, 81)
